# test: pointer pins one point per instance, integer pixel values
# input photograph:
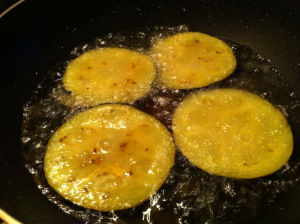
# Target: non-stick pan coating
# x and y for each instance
(36, 35)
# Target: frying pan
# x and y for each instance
(36, 35)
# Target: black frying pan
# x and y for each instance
(37, 35)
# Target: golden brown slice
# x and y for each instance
(232, 133)
(109, 157)
(192, 60)
(109, 75)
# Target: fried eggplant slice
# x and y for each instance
(192, 60)
(109, 75)
(232, 133)
(110, 157)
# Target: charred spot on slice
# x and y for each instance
(92, 161)
(130, 81)
(71, 179)
(106, 195)
(97, 160)
(94, 150)
(123, 144)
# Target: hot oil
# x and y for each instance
(189, 195)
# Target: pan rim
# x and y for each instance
(11, 8)
(8, 218)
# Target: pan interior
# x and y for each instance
(189, 194)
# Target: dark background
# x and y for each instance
(36, 35)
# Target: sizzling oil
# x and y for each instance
(189, 194)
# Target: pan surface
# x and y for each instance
(36, 36)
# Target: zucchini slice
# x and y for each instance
(232, 133)
(110, 157)
(109, 75)
(192, 60)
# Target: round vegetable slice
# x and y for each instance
(109, 75)
(192, 60)
(110, 157)
(232, 133)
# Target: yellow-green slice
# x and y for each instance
(232, 133)
(192, 60)
(110, 157)
(109, 75)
